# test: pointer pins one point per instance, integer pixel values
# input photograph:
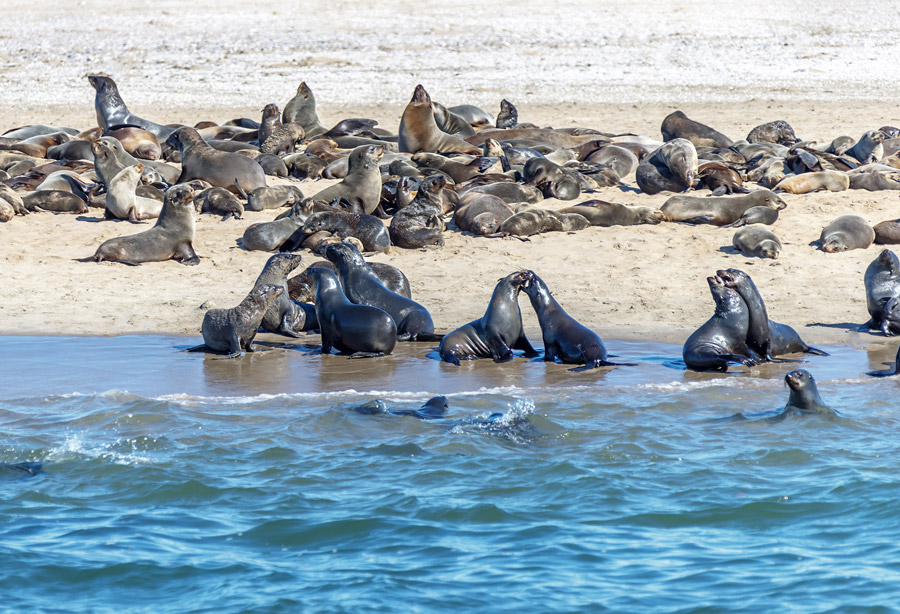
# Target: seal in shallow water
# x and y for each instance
(495, 334)
(233, 330)
(804, 396)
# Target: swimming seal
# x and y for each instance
(846, 232)
(565, 339)
(233, 330)
(757, 241)
(111, 109)
(804, 397)
(433, 409)
(419, 132)
(677, 125)
(284, 316)
(359, 330)
(222, 169)
(495, 334)
(363, 287)
(721, 341)
(882, 282)
(170, 238)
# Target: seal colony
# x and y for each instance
(494, 181)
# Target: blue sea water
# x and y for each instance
(172, 482)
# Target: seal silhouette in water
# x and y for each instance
(433, 409)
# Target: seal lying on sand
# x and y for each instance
(233, 330)
(433, 409)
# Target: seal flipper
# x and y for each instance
(500, 352)
(286, 329)
(234, 347)
(700, 219)
(522, 343)
(199, 348)
(366, 354)
(185, 255)
(429, 336)
(816, 351)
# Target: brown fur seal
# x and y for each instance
(273, 197)
(419, 132)
(670, 168)
(869, 148)
(419, 223)
(481, 214)
(833, 181)
(367, 228)
(476, 117)
(551, 179)
(111, 109)
(874, 182)
(233, 330)
(757, 241)
(283, 140)
(123, 203)
(721, 179)
(138, 142)
(280, 234)
(220, 168)
(602, 213)
(887, 232)
(271, 119)
(284, 316)
(458, 171)
(219, 201)
(13, 200)
(717, 210)
(676, 125)
(755, 215)
(37, 146)
(773, 132)
(55, 201)
(620, 159)
(846, 232)
(301, 109)
(508, 192)
(532, 220)
(170, 238)
(362, 185)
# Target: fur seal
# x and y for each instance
(110, 158)
(670, 168)
(882, 282)
(475, 116)
(497, 333)
(220, 168)
(530, 221)
(605, 214)
(889, 372)
(170, 238)
(565, 339)
(301, 109)
(433, 409)
(757, 241)
(363, 287)
(283, 140)
(271, 119)
(846, 232)
(887, 232)
(508, 192)
(721, 341)
(273, 197)
(833, 181)
(677, 125)
(277, 234)
(481, 214)
(367, 228)
(56, 201)
(219, 201)
(804, 396)
(302, 287)
(717, 210)
(508, 117)
(419, 132)
(14, 202)
(233, 330)
(869, 148)
(778, 131)
(359, 330)
(551, 179)
(449, 122)
(457, 170)
(721, 179)
(111, 109)
(419, 223)
(284, 316)
(123, 203)
(874, 182)
(362, 185)
(616, 157)
(138, 142)
(756, 215)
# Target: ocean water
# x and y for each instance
(172, 482)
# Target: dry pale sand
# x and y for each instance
(645, 282)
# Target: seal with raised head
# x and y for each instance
(677, 125)
(419, 223)
(757, 241)
(606, 214)
(846, 232)
(284, 316)
(717, 210)
(565, 339)
(222, 169)
(722, 340)
(362, 185)
(882, 282)
(495, 334)
(302, 287)
(869, 147)
(419, 132)
(804, 397)
(359, 330)
(123, 203)
(301, 109)
(171, 238)
(363, 287)
(233, 330)
(111, 109)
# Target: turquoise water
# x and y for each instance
(176, 483)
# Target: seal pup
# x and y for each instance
(273, 197)
(419, 132)
(219, 201)
(833, 181)
(123, 203)
(717, 210)
(882, 283)
(233, 330)
(363, 287)
(284, 316)
(677, 125)
(111, 109)
(846, 232)
(281, 234)
(889, 372)
(271, 119)
(804, 396)
(358, 330)
(171, 238)
(869, 147)
(722, 340)
(367, 228)
(362, 185)
(419, 223)
(495, 334)
(757, 241)
(222, 169)
(755, 215)
(565, 339)
(55, 201)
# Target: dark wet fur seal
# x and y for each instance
(170, 238)
(508, 117)
(111, 109)
(882, 282)
(717, 210)
(367, 228)
(284, 316)
(721, 179)
(419, 223)
(233, 330)
(55, 201)
(222, 169)
(565, 339)
(359, 330)
(721, 341)
(219, 201)
(778, 131)
(283, 140)
(271, 119)
(497, 333)
(458, 171)
(677, 125)
(302, 287)
(362, 185)
(757, 241)
(433, 409)
(766, 337)
(846, 232)
(804, 397)
(606, 214)
(362, 286)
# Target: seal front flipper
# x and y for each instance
(500, 352)
(185, 255)
(816, 351)
(700, 219)
(287, 329)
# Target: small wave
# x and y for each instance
(74, 447)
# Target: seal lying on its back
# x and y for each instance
(497, 333)
(233, 330)
(721, 341)
(171, 237)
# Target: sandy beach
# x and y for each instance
(643, 282)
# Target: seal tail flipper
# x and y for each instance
(864, 328)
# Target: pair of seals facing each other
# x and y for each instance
(171, 237)
(882, 282)
(740, 331)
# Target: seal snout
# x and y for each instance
(420, 96)
(796, 378)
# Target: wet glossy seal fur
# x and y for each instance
(233, 330)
